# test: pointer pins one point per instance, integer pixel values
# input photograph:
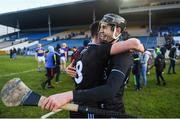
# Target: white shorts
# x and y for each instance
(41, 59)
(63, 60)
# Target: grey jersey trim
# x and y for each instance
(118, 71)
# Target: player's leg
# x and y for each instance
(57, 73)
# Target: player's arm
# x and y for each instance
(108, 90)
(114, 82)
(130, 44)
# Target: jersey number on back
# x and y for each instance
(79, 67)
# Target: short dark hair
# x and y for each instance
(94, 28)
(86, 42)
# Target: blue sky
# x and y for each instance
(15, 5)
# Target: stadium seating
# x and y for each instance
(20, 45)
(149, 42)
(68, 34)
(35, 36)
(137, 31)
(70, 42)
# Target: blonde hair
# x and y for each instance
(64, 45)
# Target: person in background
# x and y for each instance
(144, 65)
(50, 66)
(150, 62)
(85, 46)
(177, 49)
(63, 57)
(136, 70)
(125, 35)
(159, 66)
(75, 54)
(14, 53)
(172, 57)
(11, 53)
(57, 66)
(163, 51)
(40, 57)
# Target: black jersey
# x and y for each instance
(118, 66)
(90, 66)
(110, 94)
(90, 71)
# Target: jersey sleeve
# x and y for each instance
(120, 66)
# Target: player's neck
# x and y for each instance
(95, 41)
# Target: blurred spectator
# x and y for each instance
(136, 70)
(149, 62)
(14, 53)
(169, 41)
(11, 53)
(144, 63)
(57, 66)
(50, 65)
(125, 35)
(85, 45)
(172, 57)
(63, 56)
(163, 51)
(177, 49)
(40, 57)
(75, 54)
(159, 65)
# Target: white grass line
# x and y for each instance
(11, 74)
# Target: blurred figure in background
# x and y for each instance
(57, 66)
(63, 58)
(75, 54)
(159, 65)
(50, 66)
(14, 53)
(11, 53)
(136, 70)
(40, 57)
(172, 57)
(149, 62)
(144, 65)
(163, 51)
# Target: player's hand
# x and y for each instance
(56, 101)
(71, 70)
(138, 46)
(141, 48)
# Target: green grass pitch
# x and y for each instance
(151, 101)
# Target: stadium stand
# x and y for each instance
(68, 34)
(10, 43)
(34, 36)
(70, 42)
(149, 42)
(138, 31)
(20, 45)
(71, 27)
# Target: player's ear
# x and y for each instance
(118, 30)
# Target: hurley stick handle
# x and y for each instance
(69, 106)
